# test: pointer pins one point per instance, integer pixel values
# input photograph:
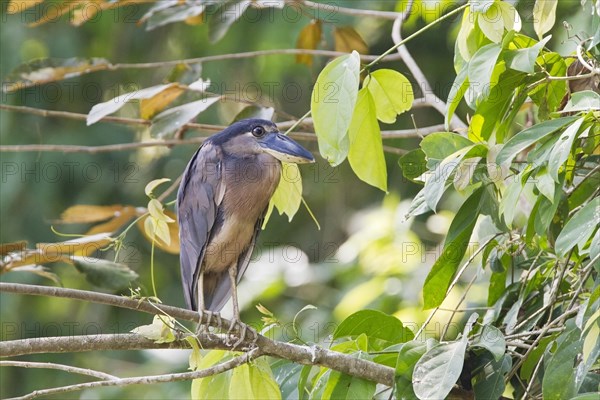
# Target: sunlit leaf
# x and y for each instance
(309, 39)
(437, 146)
(346, 40)
(366, 148)
(392, 93)
(288, 195)
(159, 331)
(104, 273)
(168, 122)
(480, 69)
(544, 16)
(254, 381)
(149, 189)
(491, 25)
(215, 387)
(332, 104)
(524, 59)
(46, 70)
(173, 233)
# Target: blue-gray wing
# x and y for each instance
(216, 301)
(200, 194)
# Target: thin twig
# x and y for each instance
(60, 367)
(152, 379)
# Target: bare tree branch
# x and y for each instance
(308, 136)
(146, 380)
(428, 94)
(309, 355)
(60, 367)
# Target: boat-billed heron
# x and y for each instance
(221, 204)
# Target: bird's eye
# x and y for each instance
(258, 131)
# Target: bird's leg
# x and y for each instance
(242, 327)
(203, 327)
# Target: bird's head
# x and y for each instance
(255, 136)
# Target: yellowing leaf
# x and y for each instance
(366, 148)
(332, 103)
(309, 38)
(101, 110)
(288, 195)
(17, 6)
(6, 248)
(87, 213)
(46, 70)
(151, 106)
(392, 94)
(544, 16)
(347, 39)
(83, 246)
(122, 217)
(149, 189)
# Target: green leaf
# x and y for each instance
(491, 339)
(457, 92)
(545, 184)
(489, 383)
(153, 185)
(585, 101)
(223, 17)
(254, 381)
(560, 381)
(579, 228)
(527, 137)
(342, 386)
(497, 287)
(366, 148)
(413, 164)
(435, 183)
(392, 93)
(491, 26)
(562, 148)
(438, 146)
(287, 375)
(332, 105)
(376, 325)
(549, 95)
(215, 387)
(160, 330)
(168, 122)
(544, 15)
(101, 110)
(104, 273)
(534, 357)
(481, 67)
(524, 59)
(438, 370)
(443, 270)
(409, 354)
